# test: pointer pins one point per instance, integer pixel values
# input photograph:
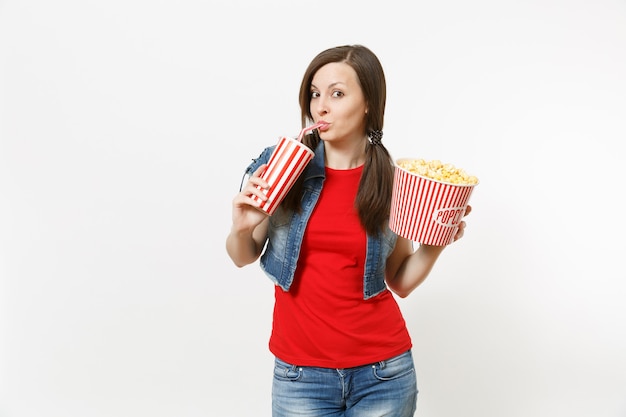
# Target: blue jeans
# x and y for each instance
(386, 388)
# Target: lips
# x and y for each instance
(324, 126)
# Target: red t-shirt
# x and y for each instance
(323, 319)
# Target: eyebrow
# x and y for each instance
(331, 85)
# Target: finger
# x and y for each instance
(256, 179)
(250, 195)
(256, 187)
(460, 231)
(259, 171)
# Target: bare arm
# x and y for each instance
(248, 232)
(407, 268)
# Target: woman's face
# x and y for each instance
(337, 99)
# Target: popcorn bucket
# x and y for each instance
(426, 210)
(285, 165)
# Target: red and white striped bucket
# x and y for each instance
(425, 210)
(285, 165)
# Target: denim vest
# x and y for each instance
(286, 230)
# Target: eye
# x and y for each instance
(337, 93)
(315, 94)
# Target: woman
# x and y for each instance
(341, 344)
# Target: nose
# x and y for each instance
(320, 106)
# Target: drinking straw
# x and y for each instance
(308, 129)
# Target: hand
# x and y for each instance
(245, 213)
(461, 231)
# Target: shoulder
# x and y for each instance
(263, 158)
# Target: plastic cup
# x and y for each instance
(285, 165)
(425, 210)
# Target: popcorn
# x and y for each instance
(438, 171)
(429, 200)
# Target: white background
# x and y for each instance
(125, 126)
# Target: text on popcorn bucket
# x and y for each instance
(449, 216)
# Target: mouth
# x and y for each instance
(323, 126)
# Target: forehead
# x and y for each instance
(335, 73)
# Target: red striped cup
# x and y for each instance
(425, 210)
(285, 165)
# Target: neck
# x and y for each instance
(344, 156)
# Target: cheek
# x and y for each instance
(357, 117)
(355, 112)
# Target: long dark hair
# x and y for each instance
(373, 200)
